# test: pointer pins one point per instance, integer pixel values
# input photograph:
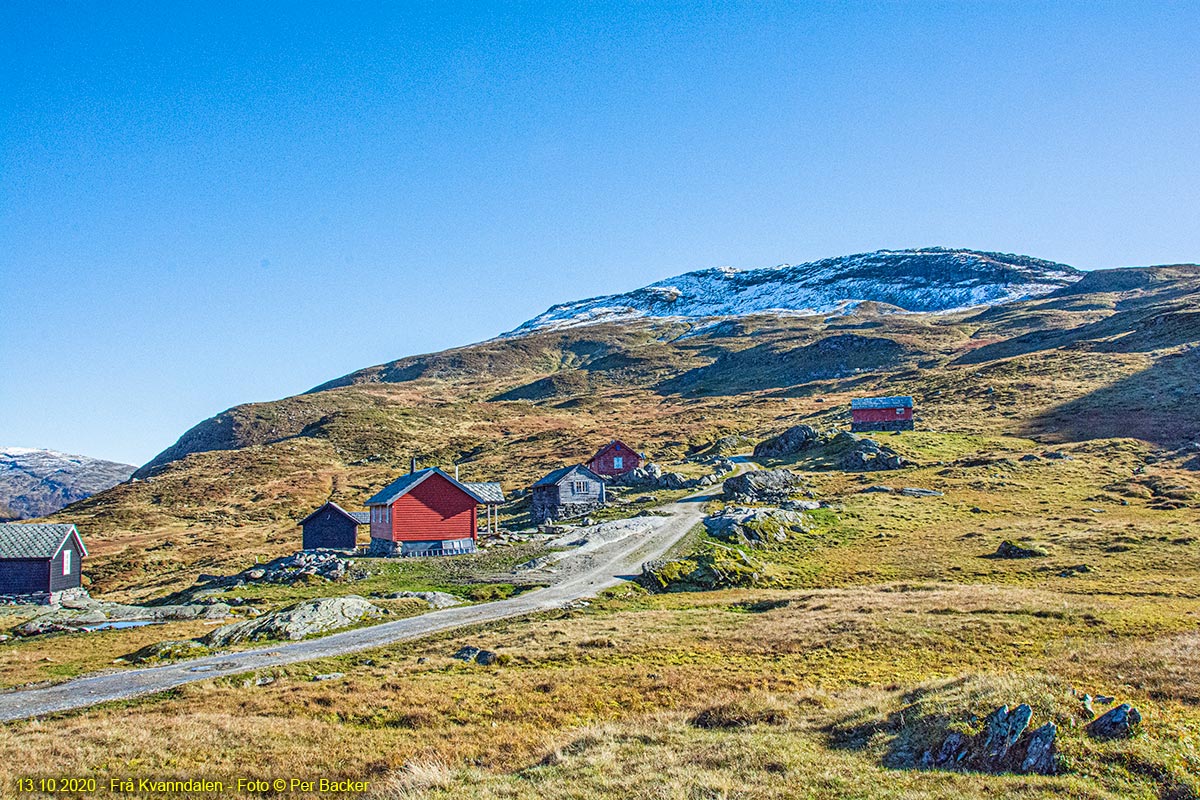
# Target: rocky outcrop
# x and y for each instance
(652, 476)
(307, 565)
(866, 455)
(475, 655)
(718, 568)
(1004, 745)
(296, 621)
(89, 614)
(167, 651)
(794, 440)
(755, 527)
(764, 486)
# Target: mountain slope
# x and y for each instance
(34, 483)
(929, 279)
(1079, 363)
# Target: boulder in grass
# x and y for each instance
(1119, 723)
(794, 440)
(1010, 549)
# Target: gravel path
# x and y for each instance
(596, 569)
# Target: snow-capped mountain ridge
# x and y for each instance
(921, 280)
(37, 482)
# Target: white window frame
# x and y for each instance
(66, 562)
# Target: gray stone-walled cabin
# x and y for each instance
(40, 563)
(332, 527)
(567, 492)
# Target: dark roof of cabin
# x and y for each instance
(358, 517)
(491, 492)
(610, 446)
(559, 475)
(406, 483)
(902, 401)
(35, 540)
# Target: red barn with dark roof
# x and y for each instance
(615, 458)
(881, 413)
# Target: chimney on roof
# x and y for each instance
(456, 472)
(412, 466)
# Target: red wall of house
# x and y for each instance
(603, 464)
(880, 414)
(434, 509)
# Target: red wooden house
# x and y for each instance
(615, 458)
(881, 414)
(428, 513)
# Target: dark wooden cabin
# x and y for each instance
(40, 560)
(615, 458)
(332, 527)
(881, 414)
(428, 513)
(565, 493)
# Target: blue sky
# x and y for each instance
(212, 204)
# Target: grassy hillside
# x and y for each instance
(1112, 356)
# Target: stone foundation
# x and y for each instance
(382, 548)
(44, 598)
(552, 513)
(890, 425)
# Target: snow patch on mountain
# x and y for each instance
(35, 482)
(925, 280)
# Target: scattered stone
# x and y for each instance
(878, 488)
(793, 440)
(265, 680)
(476, 655)
(1030, 457)
(1119, 723)
(1057, 455)
(1010, 549)
(1071, 572)
(912, 491)
(296, 621)
(329, 676)
(306, 565)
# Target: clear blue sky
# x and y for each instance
(206, 204)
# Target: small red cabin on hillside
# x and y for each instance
(881, 414)
(615, 458)
(428, 513)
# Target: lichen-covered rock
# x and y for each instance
(794, 440)
(755, 526)
(168, 651)
(296, 621)
(434, 599)
(764, 486)
(719, 568)
(867, 455)
(476, 655)
(1119, 723)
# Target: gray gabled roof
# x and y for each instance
(492, 493)
(35, 540)
(359, 517)
(406, 483)
(559, 475)
(901, 401)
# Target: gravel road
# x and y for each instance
(602, 567)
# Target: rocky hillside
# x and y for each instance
(929, 280)
(34, 483)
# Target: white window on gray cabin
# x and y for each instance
(66, 562)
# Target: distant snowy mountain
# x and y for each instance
(931, 279)
(34, 483)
